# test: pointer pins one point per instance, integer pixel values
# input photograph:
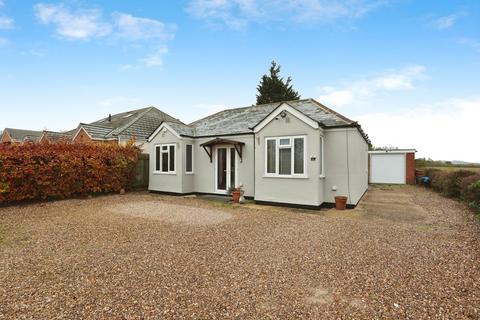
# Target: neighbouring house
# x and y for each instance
(118, 128)
(11, 135)
(396, 166)
(53, 136)
(122, 127)
(295, 153)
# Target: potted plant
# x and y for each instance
(236, 193)
(340, 202)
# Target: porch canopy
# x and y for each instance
(208, 146)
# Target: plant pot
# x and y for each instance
(236, 196)
(340, 202)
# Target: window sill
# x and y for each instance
(286, 177)
(165, 173)
(189, 173)
(322, 177)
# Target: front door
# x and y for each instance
(226, 169)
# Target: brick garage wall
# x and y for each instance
(410, 172)
(6, 137)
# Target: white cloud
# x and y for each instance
(472, 43)
(136, 28)
(155, 58)
(78, 25)
(356, 91)
(238, 13)
(446, 22)
(445, 130)
(6, 22)
(84, 24)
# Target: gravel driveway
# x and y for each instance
(405, 253)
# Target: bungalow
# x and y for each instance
(117, 128)
(294, 153)
(53, 136)
(121, 127)
(11, 135)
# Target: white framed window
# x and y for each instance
(285, 156)
(321, 160)
(165, 156)
(189, 158)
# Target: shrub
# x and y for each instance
(437, 178)
(470, 188)
(451, 185)
(448, 182)
(44, 171)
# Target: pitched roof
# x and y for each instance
(54, 136)
(140, 123)
(20, 135)
(96, 132)
(241, 120)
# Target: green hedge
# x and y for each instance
(460, 184)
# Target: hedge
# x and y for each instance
(55, 171)
(461, 184)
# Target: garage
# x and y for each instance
(392, 166)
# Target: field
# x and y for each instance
(476, 169)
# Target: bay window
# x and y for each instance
(165, 158)
(285, 156)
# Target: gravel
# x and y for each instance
(171, 213)
(143, 256)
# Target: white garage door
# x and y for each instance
(387, 168)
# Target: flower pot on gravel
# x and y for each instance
(340, 202)
(236, 195)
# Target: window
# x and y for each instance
(165, 158)
(320, 159)
(189, 158)
(271, 156)
(285, 156)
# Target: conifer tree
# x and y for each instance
(273, 88)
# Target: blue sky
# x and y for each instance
(408, 71)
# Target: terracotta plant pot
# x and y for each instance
(236, 196)
(340, 202)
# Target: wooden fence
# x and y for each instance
(141, 176)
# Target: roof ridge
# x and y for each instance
(128, 124)
(93, 125)
(251, 106)
(21, 129)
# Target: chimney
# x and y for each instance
(110, 117)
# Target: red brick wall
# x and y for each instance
(6, 137)
(82, 137)
(410, 158)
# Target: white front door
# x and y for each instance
(225, 169)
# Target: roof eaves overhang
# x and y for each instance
(284, 106)
(353, 125)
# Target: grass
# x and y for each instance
(476, 169)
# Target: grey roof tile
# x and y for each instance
(54, 136)
(241, 120)
(96, 131)
(20, 135)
